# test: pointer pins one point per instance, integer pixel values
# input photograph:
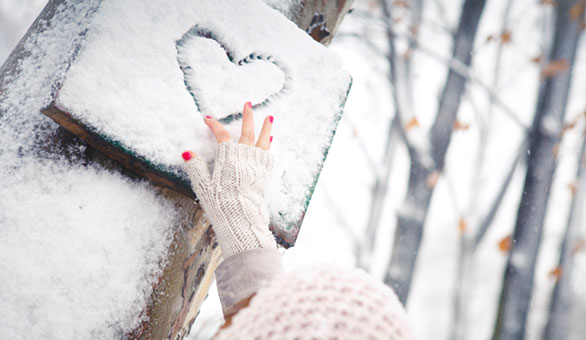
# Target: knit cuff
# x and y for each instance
(231, 151)
(241, 275)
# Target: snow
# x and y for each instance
(61, 259)
(518, 259)
(127, 83)
(347, 175)
(219, 86)
(550, 125)
(81, 245)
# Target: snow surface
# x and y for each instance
(67, 271)
(339, 207)
(219, 87)
(128, 84)
(80, 245)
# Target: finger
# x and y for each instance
(247, 135)
(222, 135)
(196, 169)
(187, 155)
(265, 138)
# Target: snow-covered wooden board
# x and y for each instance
(145, 76)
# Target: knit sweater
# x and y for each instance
(314, 303)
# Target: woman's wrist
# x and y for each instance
(233, 196)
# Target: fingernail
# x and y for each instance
(271, 118)
(271, 139)
(208, 117)
(186, 155)
(248, 104)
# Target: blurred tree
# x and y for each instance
(559, 322)
(544, 138)
(400, 76)
(427, 154)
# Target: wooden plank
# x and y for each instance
(142, 167)
(156, 174)
(193, 254)
(185, 282)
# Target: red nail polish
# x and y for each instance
(186, 155)
(271, 118)
(207, 117)
(249, 105)
(271, 139)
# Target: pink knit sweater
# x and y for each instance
(314, 303)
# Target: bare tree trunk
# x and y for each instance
(559, 322)
(402, 87)
(467, 246)
(544, 136)
(412, 215)
(469, 243)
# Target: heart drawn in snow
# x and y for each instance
(219, 84)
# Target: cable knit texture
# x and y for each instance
(321, 303)
(233, 197)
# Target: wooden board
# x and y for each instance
(295, 179)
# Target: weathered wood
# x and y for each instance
(112, 149)
(185, 282)
(320, 19)
(193, 255)
(169, 176)
(137, 165)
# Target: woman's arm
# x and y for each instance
(233, 199)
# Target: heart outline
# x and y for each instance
(198, 31)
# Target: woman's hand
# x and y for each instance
(233, 196)
(247, 135)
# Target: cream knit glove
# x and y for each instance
(233, 197)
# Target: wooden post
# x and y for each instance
(193, 254)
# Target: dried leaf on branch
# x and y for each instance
(577, 10)
(461, 126)
(556, 273)
(537, 59)
(506, 37)
(412, 123)
(462, 225)
(432, 179)
(554, 68)
(579, 246)
(505, 244)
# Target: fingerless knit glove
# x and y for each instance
(233, 197)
